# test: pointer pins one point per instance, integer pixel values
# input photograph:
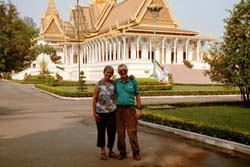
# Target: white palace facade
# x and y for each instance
(106, 32)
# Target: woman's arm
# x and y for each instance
(95, 96)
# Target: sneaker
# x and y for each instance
(137, 156)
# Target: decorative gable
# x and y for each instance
(165, 17)
(53, 28)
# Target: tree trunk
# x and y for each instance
(244, 91)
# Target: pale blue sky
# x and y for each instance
(204, 16)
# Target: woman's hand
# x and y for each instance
(97, 117)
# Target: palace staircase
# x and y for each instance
(183, 74)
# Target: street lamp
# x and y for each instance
(78, 45)
(154, 9)
(80, 76)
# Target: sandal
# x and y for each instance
(103, 156)
(113, 155)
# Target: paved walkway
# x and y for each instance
(38, 130)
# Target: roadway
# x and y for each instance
(40, 130)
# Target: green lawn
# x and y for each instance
(233, 118)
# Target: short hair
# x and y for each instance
(108, 67)
(122, 65)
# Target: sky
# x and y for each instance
(203, 16)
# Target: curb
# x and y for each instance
(202, 138)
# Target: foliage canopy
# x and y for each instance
(16, 36)
(230, 61)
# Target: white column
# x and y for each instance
(88, 53)
(163, 57)
(114, 48)
(203, 43)
(150, 50)
(187, 49)
(81, 54)
(68, 55)
(106, 50)
(98, 50)
(157, 54)
(144, 51)
(95, 51)
(124, 48)
(65, 51)
(95, 55)
(120, 50)
(72, 54)
(133, 50)
(180, 51)
(138, 46)
(179, 54)
(198, 50)
(168, 54)
(175, 50)
(110, 50)
(118, 44)
(84, 54)
(102, 50)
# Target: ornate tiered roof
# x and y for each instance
(104, 17)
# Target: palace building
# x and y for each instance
(108, 32)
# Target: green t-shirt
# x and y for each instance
(126, 91)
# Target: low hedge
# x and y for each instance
(199, 128)
(154, 91)
(61, 93)
(67, 83)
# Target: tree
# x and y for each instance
(230, 60)
(16, 38)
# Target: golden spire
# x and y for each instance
(51, 10)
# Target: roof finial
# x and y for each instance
(51, 10)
